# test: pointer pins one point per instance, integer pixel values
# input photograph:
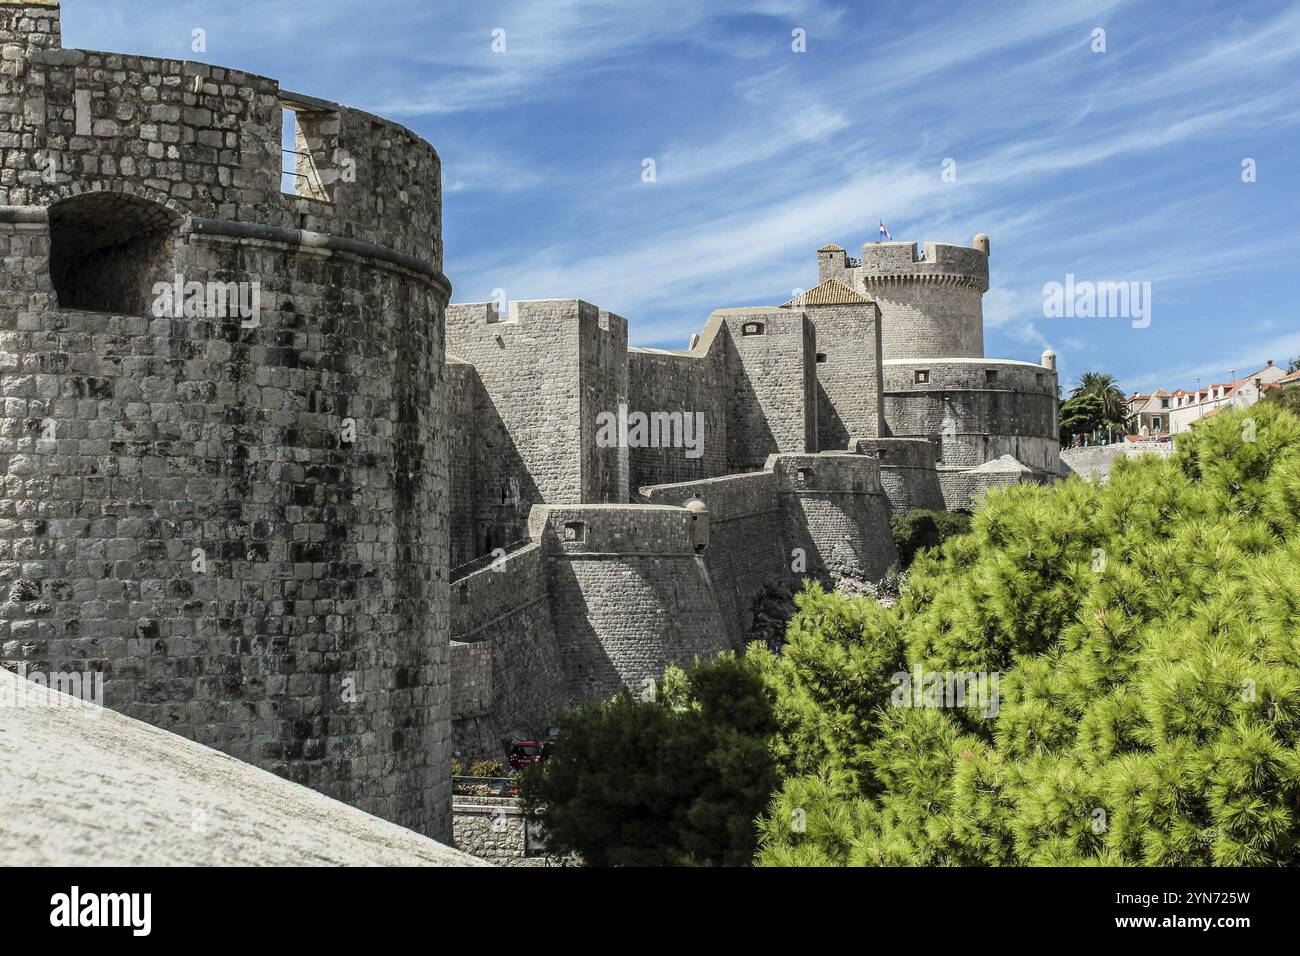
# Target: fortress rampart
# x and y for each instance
(543, 371)
(1097, 461)
(236, 515)
(747, 548)
(908, 474)
(834, 508)
(606, 596)
(687, 384)
(629, 594)
(501, 626)
(847, 357)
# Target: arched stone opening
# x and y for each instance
(107, 250)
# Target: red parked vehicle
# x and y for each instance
(524, 753)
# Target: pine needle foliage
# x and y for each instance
(1146, 636)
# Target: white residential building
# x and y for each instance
(1186, 408)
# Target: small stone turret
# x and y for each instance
(833, 263)
(699, 524)
(1049, 359)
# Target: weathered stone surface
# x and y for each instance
(495, 829)
(83, 786)
(238, 518)
(333, 460)
(1097, 461)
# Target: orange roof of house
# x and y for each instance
(830, 292)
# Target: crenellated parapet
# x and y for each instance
(206, 141)
(884, 263)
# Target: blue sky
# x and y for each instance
(1124, 165)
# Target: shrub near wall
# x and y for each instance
(925, 529)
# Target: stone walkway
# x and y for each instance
(81, 785)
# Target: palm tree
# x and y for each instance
(1104, 388)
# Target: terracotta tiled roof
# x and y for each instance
(830, 292)
(831, 248)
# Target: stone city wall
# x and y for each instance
(528, 426)
(602, 358)
(849, 386)
(465, 398)
(772, 379)
(629, 594)
(746, 550)
(1097, 461)
(686, 383)
(965, 490)
(495, 829)
(504, 606)
(907, 473)
(835, 512)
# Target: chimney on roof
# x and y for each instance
(1270, 363)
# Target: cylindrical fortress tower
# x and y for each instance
(931, 305)
(975, 410)
(222, 449)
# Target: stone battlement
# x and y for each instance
(206, 141)
(930, 304)
(606, 530)
(888, 262)
(472, 318)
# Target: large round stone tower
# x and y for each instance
(931, 301)
(222, 449)
(938, 386)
